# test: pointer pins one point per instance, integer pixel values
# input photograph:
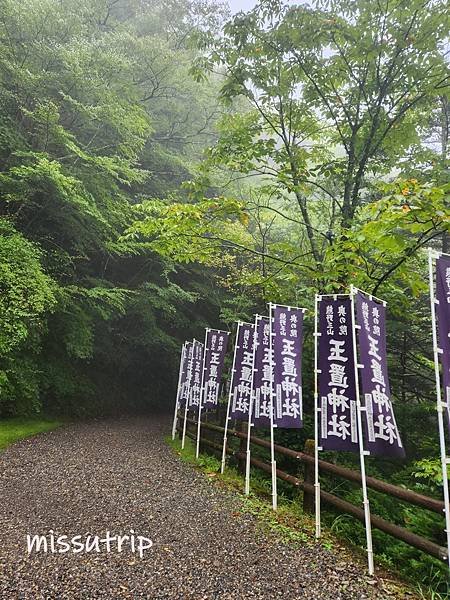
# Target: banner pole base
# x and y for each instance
(274, 486)
(222, 466)
(317, 507)
(369, 536)
(224, 448)
(370, 562)
(174, 426)
(197, 445)
(247, 474)
(184, 428)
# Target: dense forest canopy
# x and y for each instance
(98, 112)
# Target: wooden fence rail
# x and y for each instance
(400, 493)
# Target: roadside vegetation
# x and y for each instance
(18, 428)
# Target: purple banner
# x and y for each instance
(381, 434)
(197, 368)
(242, 373)
(262, 401)
(443, 324)
(187, 374)
(181, 373)
(287, 340)
(216, 349)
(338, 425)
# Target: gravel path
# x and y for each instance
(120, 475)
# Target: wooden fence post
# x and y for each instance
(308, 497)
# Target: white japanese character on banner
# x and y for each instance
(288, 348)
(212, 389)
(265, 390)
(365, 312)
(242, 405)
(338, 376)
(337, 349)
(338, 400)
(266, 375)
(264, 408)
(268, 356)
(377, 372)
(288, 385)
(244, 388)
(246, 373)
(215, 358)
(291, 408)
(386, 429)
(283, 324)
(380, 398)
(374, 350)
(340, 428)
(289, 366)
(247, 358)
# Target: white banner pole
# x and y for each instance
(183, 439)
(202, 391)
(230, 391)
(440, 405)
(177, 399)
(272, 407)
(250, 410)
(316, 418)
(362, 452)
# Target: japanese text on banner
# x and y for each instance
(242, 375)
(382, 436)
(187, 375)
(216, 348)
(262, 374)
(197, 368)
(287, 338)
(337, 419)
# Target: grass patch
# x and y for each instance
(12, 430)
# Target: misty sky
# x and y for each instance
(237, 5)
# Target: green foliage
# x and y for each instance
(324, 101)
(12, 430)
(26, 291)
(98, 112)
(187, 232)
